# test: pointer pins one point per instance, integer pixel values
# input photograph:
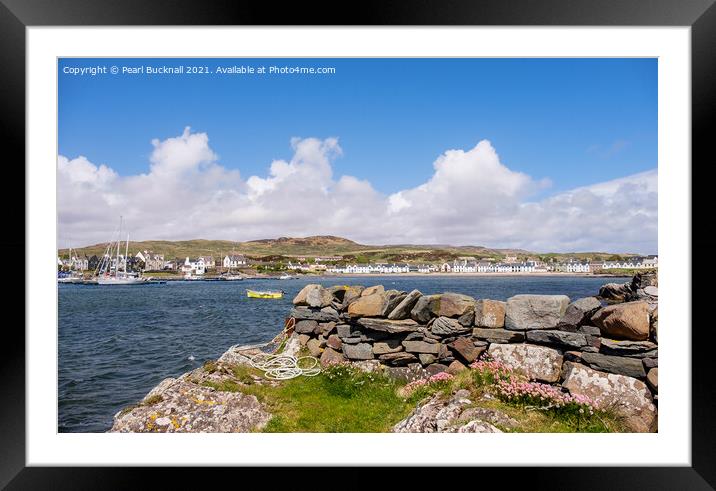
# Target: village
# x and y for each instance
(207, 266)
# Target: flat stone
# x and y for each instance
(490, 313)
(402, 310)
(650, 363)
(526, 312)
(389, 326)
(387, 346)
(652, 291)
(633, 349)
(631, 367)
(559, 338)
(373, 290)
(360, 351)
(625, 395)
(306, 327)
(454, 305)
(536, 362)
(435, 368)
(398, 359)
(305, 313)
(445, 326)
(421, 347)
(352, 340)
(624, 321)
(498, 335)
(590, 330)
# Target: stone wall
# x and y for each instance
(604, 346)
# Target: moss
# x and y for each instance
(210, 366)
(153, 400)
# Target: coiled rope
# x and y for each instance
(284, 367)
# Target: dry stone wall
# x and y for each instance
(605, 344)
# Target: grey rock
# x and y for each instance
(633, 349)
(558, 338)
(466, 349)
(631, 367)
(490, 313)
(652, 291)
(426, 359)
(410, 373)
(580, 311)
(591, 330)
(306, 327)
(445, 326)
(424, 307)
(616, 292)
(487, 415)
(650, 363)
(332, 357)
(361, 351)
(398, 359)
(387, 325)
(347, 331)
(314, 348)
(526, 312)
(498, 335)
(313, 296)
(436, 368)
(536, 362)
(352, 340)
(387, 346)
(304, 313)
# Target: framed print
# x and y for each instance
(424, 236)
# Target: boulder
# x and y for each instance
(331, 357)
(631, 367)
(536, 362)
(424, 308)
(373, 305)
(624, 321)
(313, 296)
(305, 327)
(616, 292)
(492, 335)
(445, 326)
(643, 280)
(489, 313)
(398, 359)
(334, 342)
(633, 349)
(526, 312)
(402, 310)
(360, 351)
(372, 290)
(389, 326)
(580, 311)
(562, 339)
(387, 346)
(625, 395)
(409, 373)
(454, 305)
(314, 347)
(350, 294)
(494, 416)
(305, 313)
(465, 349)
(435, 416)
(190, 408)
(421, 347)
(652, 379)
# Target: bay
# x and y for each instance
(116, 343)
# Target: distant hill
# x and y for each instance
(324, 245)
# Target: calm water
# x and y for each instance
(116, 343)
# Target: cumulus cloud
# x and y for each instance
(472, 198)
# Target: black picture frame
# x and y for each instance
(700, 15)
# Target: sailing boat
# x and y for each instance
(108, 271)
(229, 276)
(73, 276)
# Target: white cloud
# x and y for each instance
(471, 198)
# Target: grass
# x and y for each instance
(342, 399)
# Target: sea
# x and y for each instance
(117, 342)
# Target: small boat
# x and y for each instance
(264, 294)
(231, 277)
(285, 277)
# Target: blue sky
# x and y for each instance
(551, 126)
(574, 121)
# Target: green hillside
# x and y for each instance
(327, 245)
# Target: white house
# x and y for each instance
(464, 266)
(234, 261)
(152, 262)
(577, 267)
(197, 267)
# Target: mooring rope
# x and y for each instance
(284, 367)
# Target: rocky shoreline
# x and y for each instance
(603, 348)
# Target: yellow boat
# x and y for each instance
(267, 294)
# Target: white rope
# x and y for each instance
(284, 367)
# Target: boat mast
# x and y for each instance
(119, 244)
(126, 252)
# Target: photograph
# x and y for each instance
(357, 245)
